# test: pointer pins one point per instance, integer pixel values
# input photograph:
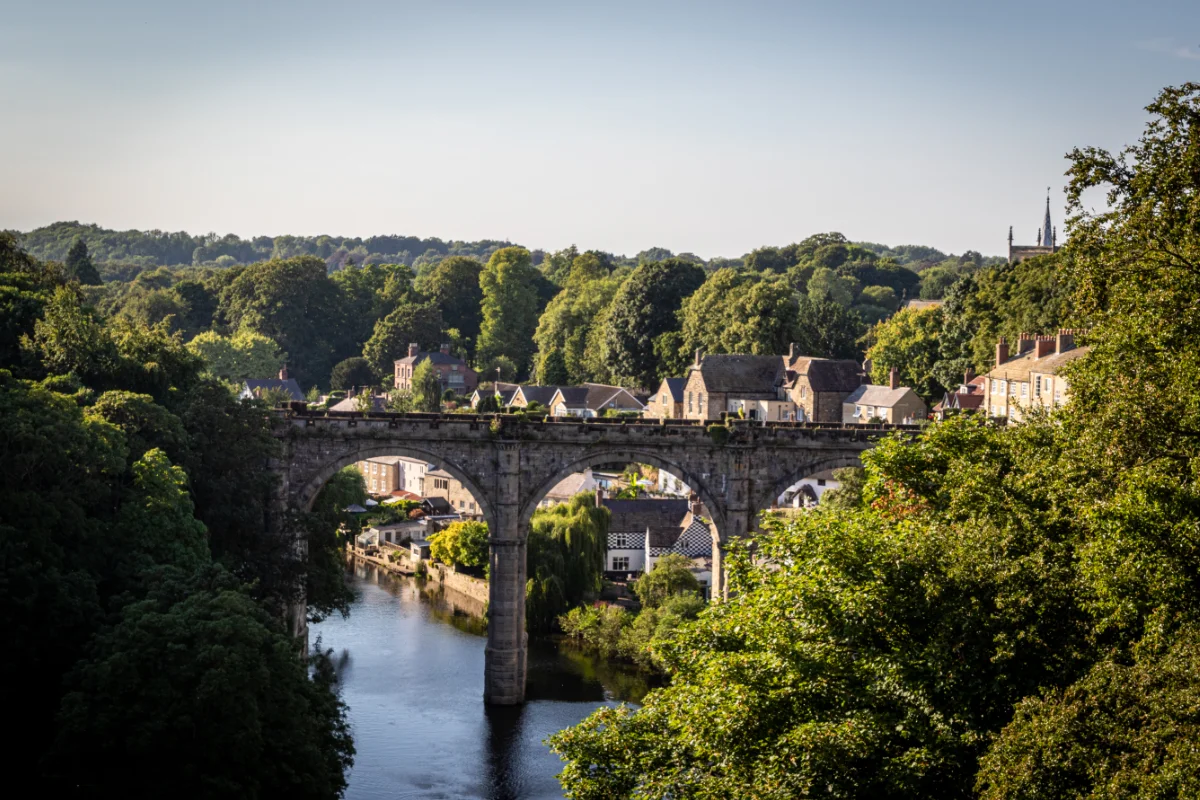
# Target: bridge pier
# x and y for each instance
(504, 658)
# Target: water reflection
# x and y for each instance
(410, 658)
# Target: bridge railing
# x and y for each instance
(299, 411)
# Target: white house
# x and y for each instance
(807, 493)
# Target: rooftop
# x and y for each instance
(880, 396)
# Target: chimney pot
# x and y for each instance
(413, 349)
(1045, 346)
(893, 378)
(1064, 341)
(1025, 343)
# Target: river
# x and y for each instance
(410, 659)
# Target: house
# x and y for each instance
(542, 395)
(441, 485)
(504, 390)
(667, 402)
(568, 487)
(807, 493)
(453, 372)
(672, 485)
(634, 523)
(354, 400)
(892, 403)
(750, 386)
(818, 386)
(592, 400)
(394, 475)
(1032, 378)
(258, 387)
(970, 396)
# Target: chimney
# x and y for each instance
(283, 373)
(1064, 341)
(599, 497)
(349, 392)
(1001, 351)
(699, 356)
(445, 348)
(791, 352)
(413, 349)
(968, 376)
(1044, 347)
(694, 504)
(893, 378)
(1024, 343)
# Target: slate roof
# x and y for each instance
(827, 374)
(595, 396)
(538, 394)
(255, 385)
(1018, 367)
(878, 396)
(740, 374)
(378, 403)
(675, 387)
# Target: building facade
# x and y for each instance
(892, 403)
(1032, 377)
(1045, 243)
(453, 372)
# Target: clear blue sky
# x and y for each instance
(706, 127)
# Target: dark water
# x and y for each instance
(411, 661)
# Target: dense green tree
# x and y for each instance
(352, 372)
(79, 264)
(426, 388)
(410, 322)
(642, 310)
(199, 306)
(565, 559)
(510, 308)
(146, 424)
(826, 329)
(454, 285)
(464, 544)
(935, 281)
(294, 303)
(737, 312)
(908, 342)
(244, 355)
(552, 369)
(199, 662)
(567, 324)
(671, 575)
(825, 284)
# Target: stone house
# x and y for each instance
(568, 487)
(818, 386)
(441, 484)
(969, 397)
(1032, 378)
(389, 474)
(453, 372)
(892, 403)
(592, 400)
(667, 402)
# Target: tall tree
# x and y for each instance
(565, 326)
(244, 355)
(827, 329)
(908, 342)
(642, 310)
(739, 312)
(454, 285)
(510, 308)
(426, 388)
(79, 264)
(408, 323)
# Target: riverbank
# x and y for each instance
(467, 585)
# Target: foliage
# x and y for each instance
(849, 493)
(826, 329)
(564, 559)
(568, 323)
(670, 576)
(453, 285)
(509, 307)
(351, 373)
(426, 388)
(79, 264)
(641, 311)
(464, 544)
(738, 312)
(909, 343)
(244, 355)
(408, 323)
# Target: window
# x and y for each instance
(621, 541)
(857, 411)
(1012, 388)
(689, 401)
(621, 564)
(1024, 390)
(1037, 386)
(820, 481)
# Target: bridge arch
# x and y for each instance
(308, 492)
(606, 455)
(766, 497)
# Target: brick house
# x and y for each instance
(453, 372)
(1031, 378)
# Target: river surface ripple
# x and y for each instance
(410, 658)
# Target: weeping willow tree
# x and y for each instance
(565, 559)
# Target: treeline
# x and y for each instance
(994, 611)
(143, 595)
(568, 318)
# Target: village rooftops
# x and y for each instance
(1044, 355)
(441, 356)
(255, 387)
(742, 375)
(674, 387)
(595, 397)
(825, 374)
(879, 396)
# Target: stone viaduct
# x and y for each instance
(509, 463)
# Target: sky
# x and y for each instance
(711, 128)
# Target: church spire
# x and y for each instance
(1047, 235)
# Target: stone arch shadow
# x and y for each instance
(764, 498)
(627, 455)
(307, 494)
